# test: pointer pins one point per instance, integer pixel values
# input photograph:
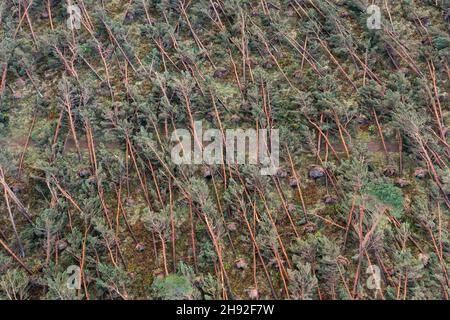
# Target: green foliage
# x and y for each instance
(57, 288)
(113, 280)
(302, 283)
(389, 195)
(173, 287)
(13, 284)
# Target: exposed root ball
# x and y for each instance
(220, 72)
(420, 173)
(316, 172)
